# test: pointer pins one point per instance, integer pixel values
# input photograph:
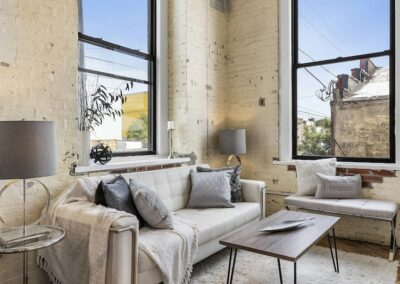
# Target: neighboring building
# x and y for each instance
(135, 106)
(360, 112)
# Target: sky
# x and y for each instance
(329, 29)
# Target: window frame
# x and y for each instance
(151, 57)
(295, 66)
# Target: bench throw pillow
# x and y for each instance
(117, 195)
(339, 187)
(307, 174)
(150, 206)
(235, 184)
(210, 190)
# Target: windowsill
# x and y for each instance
(121, 163)
(352, 165)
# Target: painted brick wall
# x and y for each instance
(197, 76)
(38, 63)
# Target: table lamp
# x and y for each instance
(232, 142)
(27, 150)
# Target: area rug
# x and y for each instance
(314, 267)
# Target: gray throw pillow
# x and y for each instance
(117, 195)
(235, 184)
(150, 206)
(339, 187)
(210, 190)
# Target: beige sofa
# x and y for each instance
(126, 264)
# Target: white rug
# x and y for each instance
(314, 267)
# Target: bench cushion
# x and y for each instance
(371, 208)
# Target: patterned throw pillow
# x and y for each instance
(210, 190)
(338, 187)
(236, 186)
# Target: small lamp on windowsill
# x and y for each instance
(232, 142)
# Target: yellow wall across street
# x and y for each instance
(135, 105)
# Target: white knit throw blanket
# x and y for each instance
(81, 257)
(172, 250)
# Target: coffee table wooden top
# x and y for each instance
(287, 245)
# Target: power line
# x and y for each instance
(328, 26)
(312, 114)
(112, 62)
(322, 35)
(311, 110)
(309, 56)
(315, 77)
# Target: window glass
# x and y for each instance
(123, 22)
(343, 89)
(116, 63)
(128, 132)
(329, 29)
(346, 115)
(115, 81)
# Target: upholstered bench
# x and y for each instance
(366, 208)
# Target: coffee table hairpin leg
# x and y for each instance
(280, 271)
(335, 262)
(229, 278)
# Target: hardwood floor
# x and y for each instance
(363, 248)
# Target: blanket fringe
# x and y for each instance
(42, 263)
(195, 247)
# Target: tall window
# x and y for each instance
(343, 80)
(117, 73)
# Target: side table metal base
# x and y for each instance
(41, 236)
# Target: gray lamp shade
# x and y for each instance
(27, 149)
(232, 141)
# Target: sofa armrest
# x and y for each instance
(122, 257)
(122, 246)
(254, 191)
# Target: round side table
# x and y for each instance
(41, 236)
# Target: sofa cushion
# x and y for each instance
(306, 174)
(236, 185)
(150, 206)
(334, 187)
(360, 207)
(172, 185)
(117, 195)
(210, 190)
(214, 222)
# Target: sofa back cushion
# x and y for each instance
(172, 185)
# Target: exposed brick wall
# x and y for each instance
(197, 77)
(368, 176)
(38, 70)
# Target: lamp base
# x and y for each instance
(228, 163)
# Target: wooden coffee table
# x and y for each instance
(286, 245)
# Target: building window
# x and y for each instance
(117, 45)
(343, 87)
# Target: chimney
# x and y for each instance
(367, 66)
(345, 84)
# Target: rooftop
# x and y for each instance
(376, 88)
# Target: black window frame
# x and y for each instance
(392, 96)
(151, 57)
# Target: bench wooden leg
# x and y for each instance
(393, 239)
